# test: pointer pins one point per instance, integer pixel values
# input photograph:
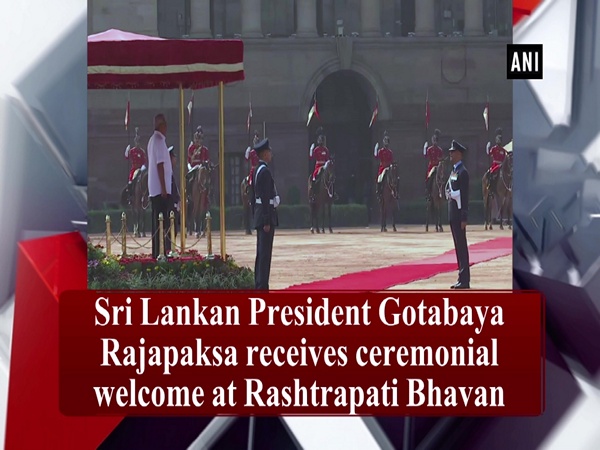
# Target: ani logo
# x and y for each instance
(525, 62)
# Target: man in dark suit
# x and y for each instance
(265, 214)
(457, 193)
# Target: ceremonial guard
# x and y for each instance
(265, 205)
(138, 159)
(434, 155)
(320, 153)
(197, 156)
(252, 157)
(457, 193)
(386, 158)
(498, 155)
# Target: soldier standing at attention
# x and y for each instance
(265, 215)
(457, 193)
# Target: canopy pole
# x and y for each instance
(222, 171)
(182, 164)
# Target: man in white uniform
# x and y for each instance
(160, 173)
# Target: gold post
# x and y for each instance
(172, 225)
(182, 164)
(161, 240)
(108, 235)
(123, 233)
(208, 235)
(222, 170)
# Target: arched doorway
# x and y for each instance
(345, 102)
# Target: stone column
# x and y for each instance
(424, 18)
(200, 17)
(474, 18)
(251, 19)
(307, 18)
(370, 18)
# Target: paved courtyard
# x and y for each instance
(302, 257)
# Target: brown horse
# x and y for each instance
(502, 194)
(139, 203)
(323, 199)
(247, 193)
(436, 197)
(199, 198)
(388, 200)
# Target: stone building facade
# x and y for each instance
(351, 54)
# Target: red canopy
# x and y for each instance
(122, 60)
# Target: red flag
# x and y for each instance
(313, 110)
(127, 116)
(375, 113)
(427, 112)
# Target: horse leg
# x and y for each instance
(143, 214)
(323, 207)
(509, 212)
(143, 221)
(439, 215)
(491, 201)
(329, 214)
(501, 210)
(427, 212)
(394, 211)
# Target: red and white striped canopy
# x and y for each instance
(122, 60)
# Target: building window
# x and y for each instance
(226, 18)
(278, 17)
(233, 168)
(173, 18)
(497, 17)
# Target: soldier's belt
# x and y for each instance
(259, 201)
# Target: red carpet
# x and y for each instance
(408, 272)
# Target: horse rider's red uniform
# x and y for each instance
(253, 158)
(434, 154)
(137, 156)
(197, 156)
(321, 154)
(386, 158)
(498, 155)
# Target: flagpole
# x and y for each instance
(427, 115)
(128, 113)
(222, 171)
(128, 117)
(191, 124)
(249, 126)
(182, 167)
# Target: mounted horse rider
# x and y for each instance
(197, 157)
(386, 158)
(434, 155)
(498, 155)
(252, 157)
(139, 160)
(320, 153)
